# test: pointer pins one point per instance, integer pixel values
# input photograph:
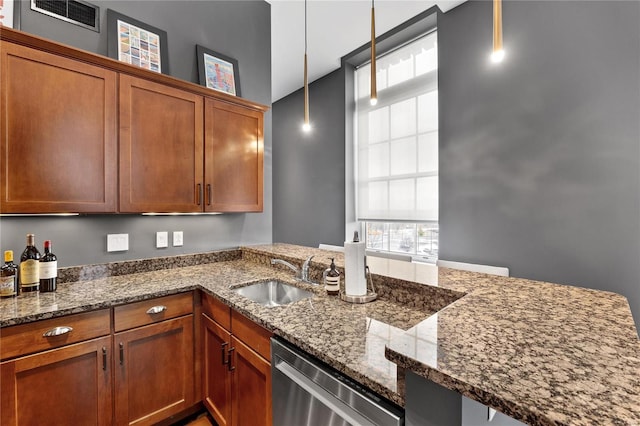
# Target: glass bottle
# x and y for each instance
(30, 266)
(9, 276)
(48, 269)
(332, 279)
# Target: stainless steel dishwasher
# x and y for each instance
(309, 393)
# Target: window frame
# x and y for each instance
(413, 88)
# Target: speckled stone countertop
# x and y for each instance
(542, 353)
(545, 354)
(351, 338)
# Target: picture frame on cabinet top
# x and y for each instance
(217, 71)
(137, 43)
(10, 14)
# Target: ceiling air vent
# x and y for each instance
(74, 11)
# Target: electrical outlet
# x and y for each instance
(177, 238)
(162, 239)
(117, 242)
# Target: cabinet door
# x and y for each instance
(58, 149)
(251, 386)
(234, 155)
(161, 148)
(69, 385)
(217, 378)
(154, 371)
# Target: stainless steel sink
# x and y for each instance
(273, 293)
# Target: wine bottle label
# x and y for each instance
(48, 270)
(7, 286)
(29, 273)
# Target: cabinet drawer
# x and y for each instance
(149, 311)
(29, 338)
(253, 335)
(217, 311)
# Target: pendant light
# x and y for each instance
(374, 89)
(497, 55)
(306, 126)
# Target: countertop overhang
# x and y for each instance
(542, 353)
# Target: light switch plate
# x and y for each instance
(162, 239)
(177, 238)
(117, 242)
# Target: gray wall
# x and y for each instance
(539, 156)
(309, 168)
(240, 29)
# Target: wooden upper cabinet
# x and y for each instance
(88, 134)
(234, 157)
(161, 148)
(58, 149)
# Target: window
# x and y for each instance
(397, 150)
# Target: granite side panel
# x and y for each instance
(414, 295)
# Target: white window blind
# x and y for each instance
(397, 139)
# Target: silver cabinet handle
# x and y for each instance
(58, 331)
(157, 309)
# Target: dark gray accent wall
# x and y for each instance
(309, 168)
(240, 29)
(540, 155)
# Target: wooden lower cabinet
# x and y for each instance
(140, 373)
(215, 369)
(64, 386)
(236, 371)
(251, 386)
(154, 371)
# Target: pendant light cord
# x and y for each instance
(306, 126)
(305, 26)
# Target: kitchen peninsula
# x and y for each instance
(541, 353)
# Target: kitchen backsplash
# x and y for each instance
(101, 270)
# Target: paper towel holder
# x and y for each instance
(369, 297)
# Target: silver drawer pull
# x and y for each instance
(157, 309)
(58, 331)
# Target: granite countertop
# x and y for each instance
(351, 338)
(542, 353)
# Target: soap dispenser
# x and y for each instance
(332, 279)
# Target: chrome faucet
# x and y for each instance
(294, 268)
(305, 271)
(301, 274)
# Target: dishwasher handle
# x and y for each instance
(335, 404)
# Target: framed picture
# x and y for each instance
(217, 71)
(136, 43)
(10, 13)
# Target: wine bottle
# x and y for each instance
(30, 266)
(9, 276)
(48, 269)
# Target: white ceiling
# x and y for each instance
(334, 28)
